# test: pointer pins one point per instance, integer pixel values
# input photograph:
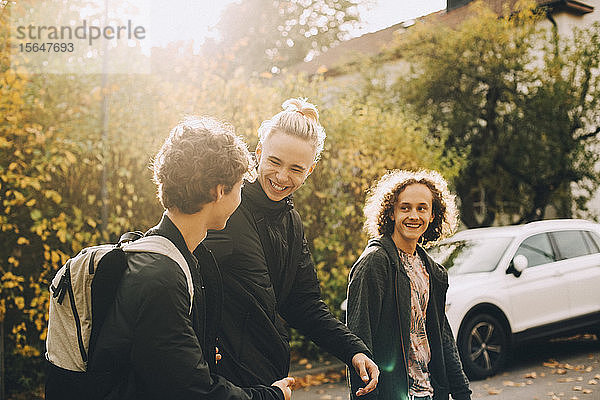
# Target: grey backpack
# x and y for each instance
(81, 295)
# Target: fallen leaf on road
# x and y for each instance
(529, 382)
(577, 388)
(580, 379)
(493, 391)
(586, 391)
(592, 382)
(550, 363)
(574, 398)
(513, 384)
(303, 361)
(565, 380)
(589, 369)
(530, 375)
(332, 376)
(561, 371)
(597, 377)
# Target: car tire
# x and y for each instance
(483, 344)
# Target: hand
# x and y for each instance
(284, 384)
(366, 369)
(217, 355)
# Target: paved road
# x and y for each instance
(546, 370)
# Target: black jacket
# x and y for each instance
(258, 298)
(150, 347)
(379, 313)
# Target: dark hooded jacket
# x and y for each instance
(269, 280)
(150, 347)
(379, 313)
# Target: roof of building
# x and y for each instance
(372, 44)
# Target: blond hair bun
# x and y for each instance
(299, 118)
(303, 107)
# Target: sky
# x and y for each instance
(184, 19)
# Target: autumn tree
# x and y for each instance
(268, 35)
(520, 104)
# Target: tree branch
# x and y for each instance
(589, 135)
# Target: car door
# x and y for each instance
(579, 260)
(539, 295)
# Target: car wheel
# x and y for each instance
(483, 345)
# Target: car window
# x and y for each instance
(537, 249)
(470, 255)
(571, 244)
(594, 241)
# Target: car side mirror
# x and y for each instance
(520, 262)
(518, 265)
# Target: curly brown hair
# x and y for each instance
(199, 154)
(382, 198)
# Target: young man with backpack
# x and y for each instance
(158, 338)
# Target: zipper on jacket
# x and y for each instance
(203, 291)
(75, 315)
(400, 328)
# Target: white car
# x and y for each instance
(515, 283)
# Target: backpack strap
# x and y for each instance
(161, 245)
(130, 237)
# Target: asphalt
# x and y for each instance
(558, 369)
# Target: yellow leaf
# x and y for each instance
(62, 235)
(22, 240)
(91, 222)
(55, 257)
(54, 196)
(20, 302)
(9, 76)
(70, 157)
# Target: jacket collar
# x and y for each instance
(257, 197)
(386, 242)
(168, 229)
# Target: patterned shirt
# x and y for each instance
(419, 353)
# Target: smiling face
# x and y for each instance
(412, 215)
(284, 163)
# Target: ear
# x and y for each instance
(218, 192)
(258, 152)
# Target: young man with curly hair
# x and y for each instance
(151, 346)
(397, 293)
